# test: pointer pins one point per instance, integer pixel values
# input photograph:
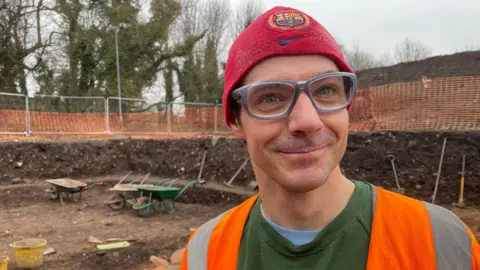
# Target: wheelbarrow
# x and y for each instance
(65, 187)
(124, 192)
(153, 197)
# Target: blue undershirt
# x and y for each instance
(297, 237)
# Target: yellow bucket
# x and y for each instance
(3, 263)
(29, 252)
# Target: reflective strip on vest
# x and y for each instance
(453, 244)
(451, 240)
(197, 256)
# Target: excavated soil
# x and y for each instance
(459, 64)
(417, 160)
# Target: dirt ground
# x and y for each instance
(26, 211)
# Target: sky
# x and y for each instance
(446, 26)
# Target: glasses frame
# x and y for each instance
(240, 95)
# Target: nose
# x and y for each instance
(304, 119)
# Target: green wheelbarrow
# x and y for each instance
(155, 197)
(124, 193)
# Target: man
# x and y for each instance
(287, 94)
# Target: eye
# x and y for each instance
(269, 99)
(270, 94)
(325, 91)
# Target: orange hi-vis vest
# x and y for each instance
(407, 234)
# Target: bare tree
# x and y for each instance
(245, 14)
(189, 20)
(409, 50)
(342, 46)
(359, 58)
(470, 48)
(21, 38)
(199, 71)
(217, 14)
(384, 60)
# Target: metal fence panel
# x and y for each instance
(221, 127)
(136, 116)
(192, 118)
(67, 115)
(13, 113)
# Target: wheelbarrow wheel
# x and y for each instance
(169, 207)
(116, 201)
(77, 196)
(144, 208)
(62, 196)
(52, 193)
(158, 206)
(146, 211)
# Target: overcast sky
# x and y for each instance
(447, 26)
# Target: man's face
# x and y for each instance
(276, 147)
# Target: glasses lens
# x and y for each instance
(270, 99)
(332, 92)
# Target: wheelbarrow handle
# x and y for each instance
(193, 182)
(92, 185)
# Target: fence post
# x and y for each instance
(215, 119)
(107, 116)
(27, 115)
(169, 118)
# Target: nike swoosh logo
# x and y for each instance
(285, 42)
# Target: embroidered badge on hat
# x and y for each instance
(288, 20)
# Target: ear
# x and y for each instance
(237, 131)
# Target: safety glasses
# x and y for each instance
(329, 92)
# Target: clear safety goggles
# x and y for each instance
(275, 99)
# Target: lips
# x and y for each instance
(303, 150)
(302, 145)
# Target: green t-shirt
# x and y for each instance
(342, 244)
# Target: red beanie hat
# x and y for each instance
(279, 31)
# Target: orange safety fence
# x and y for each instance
(13, 121)
(193, 120)
(67, 122)
(449, 104)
